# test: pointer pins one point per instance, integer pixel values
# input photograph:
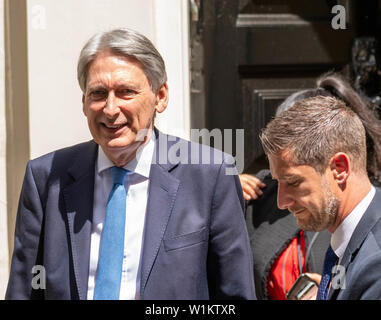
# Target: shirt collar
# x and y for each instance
(141, 164)
(340, 238)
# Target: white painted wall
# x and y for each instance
(171, 35)
(3, 188)
(57, 30)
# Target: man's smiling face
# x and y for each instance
(304, 192)
(119, 102)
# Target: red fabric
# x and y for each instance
(285, 269)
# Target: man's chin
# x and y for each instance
(120, 144)
(307, 225)
(117, 147)
(121, 154)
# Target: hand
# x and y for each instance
(315, 277)
(251, 186)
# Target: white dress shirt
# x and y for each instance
(136, 184)
(342, 235)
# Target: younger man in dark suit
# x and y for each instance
(317, 153)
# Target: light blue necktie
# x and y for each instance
(109, 273)
(329, 262)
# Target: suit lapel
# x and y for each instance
(162, 194)
(78, 197)
(368, 220)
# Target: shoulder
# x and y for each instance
(368, 235)
(60, 160)
(363, 274)
(377, 196)
(179, 150)
(62, 155)
(375, 210)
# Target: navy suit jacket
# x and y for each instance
(195, 245)
(361, 261)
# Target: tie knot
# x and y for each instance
(118, 175)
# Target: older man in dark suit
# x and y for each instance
(133, 214)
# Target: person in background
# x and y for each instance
(274, 274)
(317, 154)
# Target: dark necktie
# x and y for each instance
(109, 272)
(329, 262)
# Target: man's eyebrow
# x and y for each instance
(290, 176)
(100, 86)
(96, 86)
(126, 86)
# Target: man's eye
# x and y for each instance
(126, 92)
(98, 94)
(294, 183)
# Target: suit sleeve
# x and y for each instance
(26, 242)
(230, 266)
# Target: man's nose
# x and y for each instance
(111, 108)
(284, 199)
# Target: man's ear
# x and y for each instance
(83, 104)
(162, 98)
(340, 165)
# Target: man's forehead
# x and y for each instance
(282, 158)
(123, 70)
(282, 166)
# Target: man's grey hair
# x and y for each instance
(127, 43)
(315, 129)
